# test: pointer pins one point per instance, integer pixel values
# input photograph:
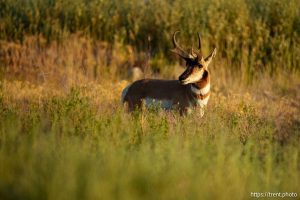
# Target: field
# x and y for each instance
(64, 133)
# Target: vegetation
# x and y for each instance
(72, 146)
(65, 135)
(251, 35)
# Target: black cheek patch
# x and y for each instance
(186, 73)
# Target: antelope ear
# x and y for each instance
(209, 58)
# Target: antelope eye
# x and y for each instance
(199, 65)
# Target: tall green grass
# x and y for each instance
(81, 144)
(251, 35)
(64, 148)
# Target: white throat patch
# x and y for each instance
(202, 91)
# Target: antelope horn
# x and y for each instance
(199, 52)
(178, 50)
(199, 42)
(193, 53)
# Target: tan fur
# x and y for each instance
(160, 90)
(178, 93)
(181, 95)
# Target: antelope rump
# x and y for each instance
(190, 92)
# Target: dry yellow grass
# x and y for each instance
(105, 97)
(35, 71)
(65, 135)
(56, 105)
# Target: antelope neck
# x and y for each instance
(201, 89)
(200, 93)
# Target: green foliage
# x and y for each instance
(64, 149)
(66, 146)
(251, 36)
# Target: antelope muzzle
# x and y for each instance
(184, 76)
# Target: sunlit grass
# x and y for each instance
(64, 133)
(66, 145)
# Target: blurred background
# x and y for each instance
(51, 39)
(64, 133)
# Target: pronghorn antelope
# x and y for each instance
(192, 89)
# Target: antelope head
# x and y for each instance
(195, 63)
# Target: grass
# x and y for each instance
(252, 36)
(65, 135)
(78, 145)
